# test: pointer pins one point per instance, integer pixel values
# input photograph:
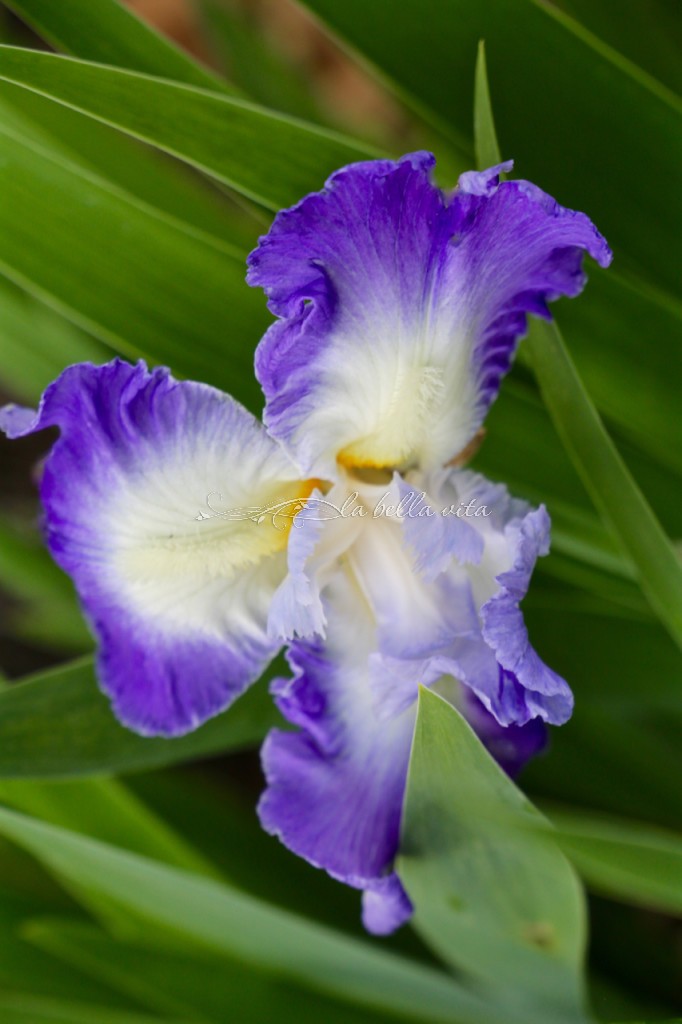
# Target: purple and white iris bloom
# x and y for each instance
(398, 310)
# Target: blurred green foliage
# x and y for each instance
(127, 206)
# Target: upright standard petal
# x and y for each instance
(399, 308)
(177, 595)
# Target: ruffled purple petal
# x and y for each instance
(504, 629)
(399, 308)
(496, 660)
(464, 619)
(335, 787)
(178, 605)
(527, 251)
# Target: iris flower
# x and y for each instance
(346, 529)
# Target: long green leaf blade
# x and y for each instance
(104, 809)
(651, 35)
(30, 1009)
(109, 33)
(625, 339)
(255, 62)
(491, 897)
(485, 137)
(622, 859)
(270, 158)
(36, 344)
(24, 968)
(139, 281)
(228, 922)
(184, 982)
(605, 475)
(276, 160)
(602, 469)
(89, 740)
(112, 34)
(165, 185)
(538, 57)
